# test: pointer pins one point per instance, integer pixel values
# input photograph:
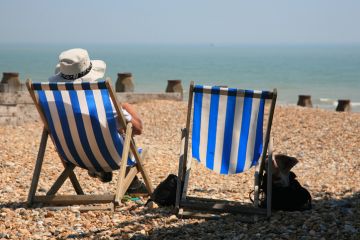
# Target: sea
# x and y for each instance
(326, 72)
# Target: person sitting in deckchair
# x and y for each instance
(75, 65)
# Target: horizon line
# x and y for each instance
(211, 44)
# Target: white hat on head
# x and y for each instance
(75, 65)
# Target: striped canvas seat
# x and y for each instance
(82, 123)
(227, 135)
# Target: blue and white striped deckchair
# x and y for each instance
(82, 120)
(227, 134)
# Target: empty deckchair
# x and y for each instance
(83, 120)
(228, 138)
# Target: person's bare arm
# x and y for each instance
(136, 120)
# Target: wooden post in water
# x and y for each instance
(174, 86)
(343, 105)
(124, 82)
(304, 101)
(12, 81)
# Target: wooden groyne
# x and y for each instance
(16, 105)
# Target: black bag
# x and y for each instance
(291, 198)
(165, 193)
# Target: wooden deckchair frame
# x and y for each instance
(187, 206)
(124, 179)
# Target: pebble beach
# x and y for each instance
(326, 143)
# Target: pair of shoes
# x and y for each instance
(137, 187)
(103, 176)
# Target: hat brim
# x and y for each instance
(97, 71)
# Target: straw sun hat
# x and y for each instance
(75, 65)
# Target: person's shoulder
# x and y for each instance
(53, 79)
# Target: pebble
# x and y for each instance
(49, 214)
(24, 231)
(41, 189)
(152, 205)
(8, 189)
(173, 218)
(9, 164)
(349, 228)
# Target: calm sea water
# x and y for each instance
(327, 73)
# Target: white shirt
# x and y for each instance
(127, 115)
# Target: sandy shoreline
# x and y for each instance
(326, 143)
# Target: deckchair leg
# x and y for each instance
(186, 169)
(140, 167)
(269, 179)
(186, 180)
(130, 175)
(60, 181)
(181, 172)
(37, 170)
(187, 162)
(256, 188)
(120, 184)
(75, 183)
(73, 180)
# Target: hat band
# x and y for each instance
(78, 75)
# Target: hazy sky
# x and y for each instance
(180, 22)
